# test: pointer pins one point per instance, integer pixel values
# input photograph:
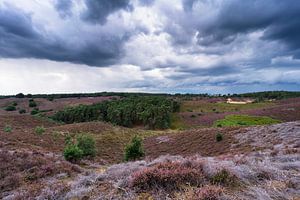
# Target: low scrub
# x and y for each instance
(32, 103)
(18, 168)
(224, 178)
(244, 120)
(168, 176)
(219, 137)
(11, 108)
(35, 111)
(7, 129)
(208, 192)
(22, 111)
(39, 130)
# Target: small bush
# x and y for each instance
(34, 111)
(10, 108)
(134, 150)
(39, 130)
(32, 103)
(22, 111)
(168, 176)
(73, 153)
(7, 129)
(87, 144)
(224, 177)
(193, 116)
(219, 137)
(14, 103)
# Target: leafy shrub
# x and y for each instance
(10, 108)
(208, 192)
(73, 153)
(7, 129)
(32, 103)
(34, 111)
(225, 178)
(193, 116)
(219, 137)
(87, 144)
(168, 176)
(14, 103)
(39, 130)
(22, 111)
(134, 150)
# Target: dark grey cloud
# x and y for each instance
(20, 38)
(279, 19)
(64, 8)
(98, 10)
(12, 23)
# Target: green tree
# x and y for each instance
(134, 150)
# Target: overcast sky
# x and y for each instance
(199, 46)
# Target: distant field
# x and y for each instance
(207, 107)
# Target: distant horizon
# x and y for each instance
(210, 94)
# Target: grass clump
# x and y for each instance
(244, 120)
(219, 137)
(134, 150)
(224, 178)
(39, 130)
(7, 129)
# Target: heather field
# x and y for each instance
(149, 100)
(211, 150)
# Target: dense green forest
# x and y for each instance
(152, 112)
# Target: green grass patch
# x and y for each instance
(244, 120)
(206, 107)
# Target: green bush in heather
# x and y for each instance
(134, 150)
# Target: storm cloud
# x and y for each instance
(98, 10)
(186, 45)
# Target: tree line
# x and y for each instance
(153, 112)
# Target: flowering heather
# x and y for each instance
(168, 175)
